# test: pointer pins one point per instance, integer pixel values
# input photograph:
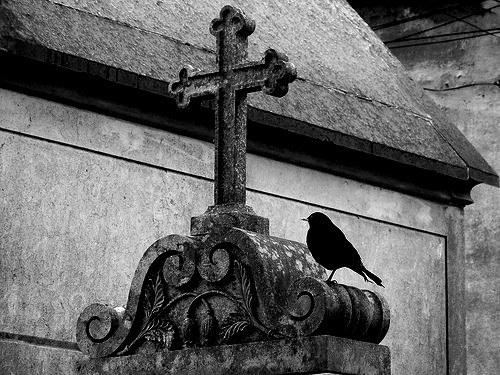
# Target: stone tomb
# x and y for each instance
(98, 163)
(230, 298)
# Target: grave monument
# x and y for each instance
(98, 162)
(229, 298)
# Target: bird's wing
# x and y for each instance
(350, 254)
(353, 254)
(334, 232)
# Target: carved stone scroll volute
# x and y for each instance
(103, 330)
(316, 307)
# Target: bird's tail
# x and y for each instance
(374, 277)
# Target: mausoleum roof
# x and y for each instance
(350, 91)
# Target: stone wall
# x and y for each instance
(475, 110)
(84, 195)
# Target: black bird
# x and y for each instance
(330, 248)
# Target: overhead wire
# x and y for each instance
(470, 23)
(413, 18)
(423, 15)
(496, 83)
(421, 31)
(436, 27)
(477, 33)
(494, 30)
(455, 19)
(438, 41)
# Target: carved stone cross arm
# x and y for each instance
(271, 76)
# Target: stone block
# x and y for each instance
(22, 358)
(231, 286)
(314, 354)
(228, 216)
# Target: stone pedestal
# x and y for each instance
(214, 302)
(298, 356)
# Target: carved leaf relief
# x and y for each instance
(163, 335)
(245, 285)
(188, 330)
(208, 329)
(235, 329)
(199, 325)
(154, 297)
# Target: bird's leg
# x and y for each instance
(330, 278)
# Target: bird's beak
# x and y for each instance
(304, 219)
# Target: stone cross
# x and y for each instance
(229, 85)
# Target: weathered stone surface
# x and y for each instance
(63, 244)
(306, 355)
(101, 330)
(378, 90)
(412, 262)
(59, 252)
(482, 240)
(93, 132)
(292, 182)
(475, 111)
(19, 358)
(228, 216)
(247, 288)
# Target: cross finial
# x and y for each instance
(229, 85)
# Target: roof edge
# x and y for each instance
(45, 65)
(478, 168)
(483, 177)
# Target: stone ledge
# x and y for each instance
(302, 355)
(18, 356)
